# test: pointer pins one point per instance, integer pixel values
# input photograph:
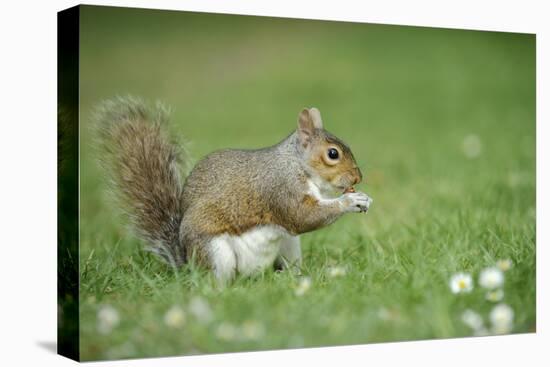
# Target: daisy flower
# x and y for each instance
(504, 265)
(495, 295)
(472, 319)
(491, 278)
(201, 310)
(107, 319)
(461, 283)
(471, 146)
(388, 314)
(336, 271)
(384, 314)
(303, 286)
(502, 318)
(226, 331)
(174, 317)
(252, 330)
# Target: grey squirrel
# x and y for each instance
(238, 211)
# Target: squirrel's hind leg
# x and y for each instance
(290, 254)
(222, 259)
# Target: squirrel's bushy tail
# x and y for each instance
(143, 164)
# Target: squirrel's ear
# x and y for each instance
(315, 116)
(308, 121)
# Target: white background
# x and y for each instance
(28, 182)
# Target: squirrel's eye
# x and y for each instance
(333, 153)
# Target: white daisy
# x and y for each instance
(252, 330)
(125, 350)
(303, 286)
(226, 331)
(107, 319)
(461, 283)
(491, 278)
(472, 319)
(502, 318)
(174, 317)
(383, 314)
(471, 146)
(201, 310)
(495, 295)
(504, 265)
(336, 271)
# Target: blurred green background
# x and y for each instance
(441, 121)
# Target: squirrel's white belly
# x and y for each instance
(247, 253)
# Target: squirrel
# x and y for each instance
(238, 211)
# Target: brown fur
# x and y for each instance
(227, 192)
(143, 166)
(346, 168)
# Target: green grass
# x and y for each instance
(404, 99)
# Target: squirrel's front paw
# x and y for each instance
(356, 202)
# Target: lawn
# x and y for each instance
(442, 123)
